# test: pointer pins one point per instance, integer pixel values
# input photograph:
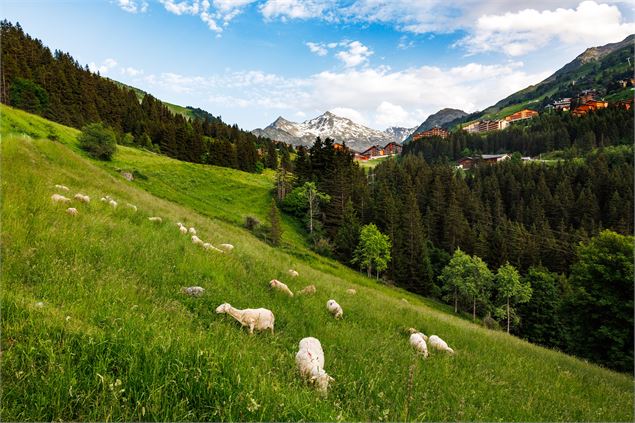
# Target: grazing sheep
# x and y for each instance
(351, 291)
(293, 273)
(179, 224)
(192, 231)
(72, 211)
(193, 291)
(132, 207)
(418, 342)
(183, 230)
(62, 187)
(310, 362)
(60, 199)
(103, 199)
(438, 343)
(196, 240)
(226, 247)
(335, 309)
(155, 219)
(275, 283)
(209, 246)
(82, 198)
(308, 290)
(113, 203)
(254, 318)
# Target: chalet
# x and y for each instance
(470, 162)
(393, 148)
(625, 104)
(589, 106)
(486, 126)
(586, 96)
(433, 132)
(563, 104)
(494, 158)
(521, 115)
(465, 162)
(374, 151)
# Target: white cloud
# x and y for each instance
(356, 54)
(349, 113)
(317, 48)
(295, 9)
(519, 33)
(104, 68)
(133, 6)
(388, 114)
(131, 72)
(405, 43)
(217, 14)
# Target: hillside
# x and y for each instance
(596, 68)
(115, 340)
(440, 118)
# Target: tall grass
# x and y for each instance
(115, 340)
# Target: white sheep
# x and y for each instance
(192, 231)
(226, 247)
(438, 343)
(155, 219)
(72, 211)
(82, 198)
(418, 342)
(351, 291)
(132, 207)
(196, 240)
(183, 230)
(308, 290)
(310, 362)
(293, 273)
(62, 187)
(113, 203)
(193, 291)
(276, 284)
(103, 199)
(56, 198)
(335, 309)
(209, 246)
(254, 318)
(179, 224)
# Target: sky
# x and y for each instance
(380, 63)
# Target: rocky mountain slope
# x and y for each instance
(439, 118)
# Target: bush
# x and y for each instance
(490, 323)
(323, 247)
(251, 223)
(98, 141)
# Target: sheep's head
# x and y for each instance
(273, 283)
(425, 337)
(322, 382)
(330, 303)
(223, 308)
(412, 330)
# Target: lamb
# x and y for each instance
(310, 362)
(308, 290)
(351, 291)
(60, 199)
(209, 246)
(293, 273)
(196, 240)
(183, 229)
(132, 206)
(335, 309)
(82, 198)
(226, 247)
(255, 318)
(417, 340)
(275, 283)
(192, 231)
(438, 343)
(72, 211)
(113, 203)
(193, 291)
(62, 187)
(155, 219)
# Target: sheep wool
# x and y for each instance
(183, 229)
(82, 198)
(310, 362)
(438, 344)
(419, 344)
(196, 240)
(72, 211)
(193, 291)
(293, 273)
(351, 291)
(276, 284)
(56, 198)
(255, 318)
(192, 231)
(308, 290)
(62, 187)
(155, 219)
(335, 309)
(226, 247)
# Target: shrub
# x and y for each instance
(323, 247)
(490, 323)
(98, 141)
(251, 223)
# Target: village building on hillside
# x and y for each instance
(375, 151)
(625, 104)
(589, 106)
(433, 132)
(587, 95)
(564, 104)
(469, 162)
(486, 126)
(392, 148)
(521, 115)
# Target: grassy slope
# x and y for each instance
(110, 283)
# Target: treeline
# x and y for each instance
(542, 134)
(57, 87)
(531, 215)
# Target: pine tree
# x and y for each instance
(275, 226)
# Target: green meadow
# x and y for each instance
(94, 327)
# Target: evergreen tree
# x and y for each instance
(275, 226)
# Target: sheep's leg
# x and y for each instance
(272, 329)
(251, 328)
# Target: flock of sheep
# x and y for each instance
(310, 356)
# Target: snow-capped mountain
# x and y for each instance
(357, 137)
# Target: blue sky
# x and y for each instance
(379, 62)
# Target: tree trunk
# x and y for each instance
(369, 271)
(507, 314)
(377, 274)
(456, 301)
(474, 310)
